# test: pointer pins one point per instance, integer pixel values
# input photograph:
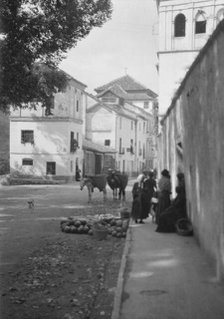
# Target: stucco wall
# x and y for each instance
(201, 102)
(51, 144)
(52, 135)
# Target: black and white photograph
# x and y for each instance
(111, 159)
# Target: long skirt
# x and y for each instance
(136, 210)
(146, 204)
(163, 203)
(168, 218)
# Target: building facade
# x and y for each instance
(50, 146)
(184, 28)
(117, 122)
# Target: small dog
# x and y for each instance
(31, 203)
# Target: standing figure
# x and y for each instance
(136, 202)
(164, 191)
(149, 187)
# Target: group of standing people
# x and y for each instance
(142, 192)
(167, 211)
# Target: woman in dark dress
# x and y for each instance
(149, 187)
(172, 214)
(136, 211)
(177, 209)
(164, 191)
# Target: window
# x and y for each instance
(27, 136)
(143, 153)
(74, 143)
(77, 106)
(51, 168)
(121, 149)
(50, 103)
(27, 162)
(71, 142)
(146, 104)
(139, 149)
(200, 23)
(107, 142)
(132, 147)
(179, 25)
(71, 166)
(120, 122)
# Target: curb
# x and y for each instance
(120, 280)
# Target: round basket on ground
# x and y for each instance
(184, 227)
(99, 234)
(124, 213)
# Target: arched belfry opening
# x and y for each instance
(180, 25)
(200, 22)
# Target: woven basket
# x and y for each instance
(125, 214)
(100, 234)
(184, 227)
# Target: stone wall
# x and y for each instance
(194, 125)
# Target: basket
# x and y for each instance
(184, 227)
(99, 234)
(125, 214)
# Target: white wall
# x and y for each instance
(51, 143)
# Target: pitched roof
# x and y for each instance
(128, 110)
(127, 83)
(116, 89)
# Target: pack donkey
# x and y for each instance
(117, 182)
(91, 182)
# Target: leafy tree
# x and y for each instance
(35, 36)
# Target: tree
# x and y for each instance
(35, 36)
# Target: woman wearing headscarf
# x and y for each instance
(138, 211)
(149, 187)
(164, 191)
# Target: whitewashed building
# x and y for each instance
(50, 146)
(184, 28)
(116, 122)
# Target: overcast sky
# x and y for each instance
(125, 44)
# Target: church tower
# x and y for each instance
(184, 28)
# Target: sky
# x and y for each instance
(126, 44)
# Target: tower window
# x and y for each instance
(179, 25)
(200, 23)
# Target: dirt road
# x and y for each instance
(46, 273)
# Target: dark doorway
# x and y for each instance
(98, 164)
(51, 168)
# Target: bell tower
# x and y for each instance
(184, 28)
